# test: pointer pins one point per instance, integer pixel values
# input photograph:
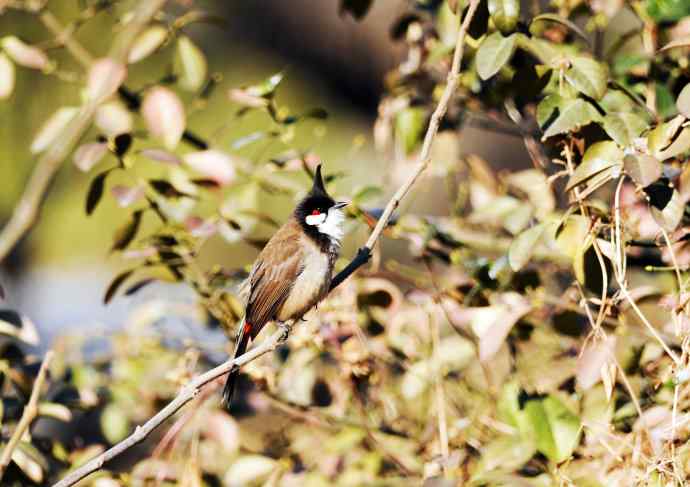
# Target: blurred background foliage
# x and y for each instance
(523, 323)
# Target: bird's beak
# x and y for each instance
(340, 204)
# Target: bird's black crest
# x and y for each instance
(316, 199)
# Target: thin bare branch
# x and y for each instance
(29, 414)
(189, 392)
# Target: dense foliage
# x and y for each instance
(535, 333)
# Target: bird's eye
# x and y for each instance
(316, 212)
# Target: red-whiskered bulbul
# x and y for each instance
(293, 271)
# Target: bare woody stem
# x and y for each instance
(191, 390)
(28, 415)
(29, 205)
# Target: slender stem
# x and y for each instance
(29, 414)
(188, 392)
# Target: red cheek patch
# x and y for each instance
(316, 212)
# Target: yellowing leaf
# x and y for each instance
(524, 245)
(7, 77)
(597, 158)
(190, 65)
(147, 43)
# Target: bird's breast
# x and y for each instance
(312, 283)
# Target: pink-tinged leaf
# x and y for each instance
(105, 77)
(113, 119)
(492, 324)
(144, 253)
(6, 76)
(241, 97)
(161, 155)
(589, 366)
(223, 430)
(52, 128)
(126, 196)
(213, 164)
(147, 43)
(88, 155)
(164, 115)
(198, 227)
(24, 54)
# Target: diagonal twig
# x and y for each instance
(28, 415)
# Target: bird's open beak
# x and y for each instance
(340, 204)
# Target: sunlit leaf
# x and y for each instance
(126, 233)
(587, 76)
(597, 158)
(683, 101)
(623, 127)
(595, 355)
(164, 115)
(105, 77)
(147, 43)
(30, 461)
(126, 196)
(524, 245)
(18, 326)
(409, 127)
(7, 76)
(505, 14)
(492, 324)
(161, 155)
(266, 88)
(571, 234)
(669, 215)
(88, 155)
(24, 54)
(557, 428)
(685, 42)
(115, 285)
(113, 118)
(213, 164)
(248, 469)
(55, 410)
(52, 129)
(190, 64)
(494, 52)
(644, 169)
(567, 115)
(661, 137)
(114, 423)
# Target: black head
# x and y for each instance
(315, 206)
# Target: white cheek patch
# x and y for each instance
(315, 219)
(333, 224)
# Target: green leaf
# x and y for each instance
(661, 137)
(505, 14)
(570, 115)
(587, 76)
(668, 10)
(409, 127)
(190, 65)
(642, 168)
(95, 192)
(571, 234)
(623, 127)
(560, 20)
(524, 245)
(266, 88)
(366, 193)
(597, 158)
(114, 423)
(115, 285)
(125, 234)
(665, 104)
(557, 428)
(493, 53)
(683, 101)
(543, 50)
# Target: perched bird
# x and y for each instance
(293, 271)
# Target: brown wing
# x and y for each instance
(272, 277)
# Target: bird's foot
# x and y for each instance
(286, 327)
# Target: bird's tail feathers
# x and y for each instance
(243, 337)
